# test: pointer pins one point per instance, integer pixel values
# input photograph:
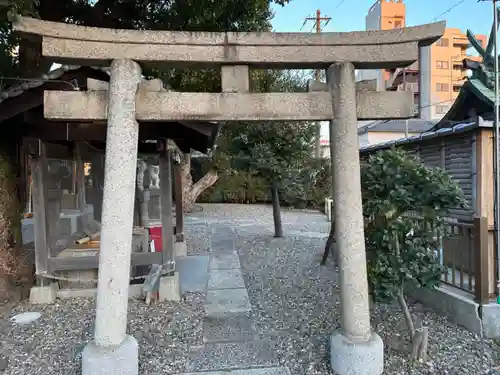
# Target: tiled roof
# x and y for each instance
(460, 128)
(414, 126)
(53, 75)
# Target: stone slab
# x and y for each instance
(44, 294)
(169, 289)
(254, 371)
(222, 245)
(309, 234)
(225, 279)
(237, 355)
(193, 273)
(134, 291)
(276, 106)
(223, 261)
(228, 328)
(491, 320)
(227, 301)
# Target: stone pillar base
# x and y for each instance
(356, 358)
(180, 249)
(170, 288)
(44, 294)
(123, 360)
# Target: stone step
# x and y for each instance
(232, 327)
(223, 301)
(233, 355)
(253, 371)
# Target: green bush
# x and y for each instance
(401, 250)
(237, 187)
(305, 189)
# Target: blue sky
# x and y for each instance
(350, 15)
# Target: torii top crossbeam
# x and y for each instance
(378, 49)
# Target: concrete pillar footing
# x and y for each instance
(180, 249)
(170, 288)
(44, 294)
(123, 359)
(349, 357)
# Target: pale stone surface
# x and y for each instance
(117, 205)
(225, 279)
(227, 301)
(255, 371)
(180, 249)
(116, 360)
(234, 355)
(235, 78)
(367, 49)
(224, 261)
(236, 327)
(426, 34)
(170, 288)
(350, 357)
(355, 314)
(44, 294)
(134, 291)
(364, 85)
(193, 273)
(202, 106)
(79, 279)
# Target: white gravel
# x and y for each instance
(294, 301)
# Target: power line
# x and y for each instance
(339, 4)
(447, 10)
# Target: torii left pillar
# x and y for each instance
(112, 351)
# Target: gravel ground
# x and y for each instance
(294, 303)
(53, 344)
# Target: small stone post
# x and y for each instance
(112, 351)
(355, 349)
(169, 283)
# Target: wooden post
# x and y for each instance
(39, 170)
(80, 179)
(167, 230)
(481, 260)
(179, 212)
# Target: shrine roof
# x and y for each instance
(23, 103)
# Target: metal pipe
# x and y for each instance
(497, 151)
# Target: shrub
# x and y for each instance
(401, 250)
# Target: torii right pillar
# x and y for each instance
(355, 348)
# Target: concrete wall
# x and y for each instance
(425, 83)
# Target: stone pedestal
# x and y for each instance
(350, 357)
(170, 288)
(355, 349)
(111, 351)
(122, 359)
(180, 249)
(44, 294)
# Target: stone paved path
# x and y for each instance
(231, 343)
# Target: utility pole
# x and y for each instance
(318, 25)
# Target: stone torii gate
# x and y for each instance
(355, 349)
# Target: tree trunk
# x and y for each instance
(419, 336)
(329, 245)
(190, 190)
(278, 225)
(16, 271)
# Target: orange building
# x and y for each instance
(440, 67)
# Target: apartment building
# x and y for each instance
(437, 78)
